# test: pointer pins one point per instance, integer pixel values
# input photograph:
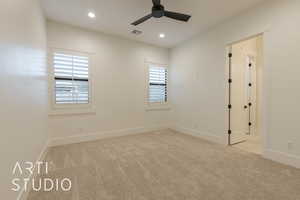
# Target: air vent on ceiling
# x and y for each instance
(136, 32)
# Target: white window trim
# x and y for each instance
(69, 109)
(156, 106)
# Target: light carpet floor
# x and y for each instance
(166, 165)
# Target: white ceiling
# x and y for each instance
(115, 16)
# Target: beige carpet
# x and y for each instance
(166, 166)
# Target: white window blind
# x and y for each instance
(158, 79)
(71, 76)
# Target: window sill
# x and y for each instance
(72, 111)
(158, 108)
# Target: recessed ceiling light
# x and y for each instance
(162, 35)
(91, 15)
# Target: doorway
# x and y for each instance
(245, 94)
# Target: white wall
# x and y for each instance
(23, 87)
(118, 82)
(198, 83)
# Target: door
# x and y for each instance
(243, 90)
(239, 95)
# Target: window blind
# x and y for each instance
(158, 85)
(71, 74)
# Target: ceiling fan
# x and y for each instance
(159, 11)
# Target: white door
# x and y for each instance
(243, 90)
(239, 96)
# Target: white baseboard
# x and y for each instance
(24, 194)
(203, 135)
(102, 135)
(283, 158)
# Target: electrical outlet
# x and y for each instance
(290, 146)
(80, 130)
(196, 126)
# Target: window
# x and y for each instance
(158, 79)
(71, 78)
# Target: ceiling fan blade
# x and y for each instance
(156, 2)
(177, 16)
(142, 20)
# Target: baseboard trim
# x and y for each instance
(24, 194)
(284, 158)
(276, 156)
(102, 135)
(201, 134)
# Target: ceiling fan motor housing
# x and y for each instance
(158, 11)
